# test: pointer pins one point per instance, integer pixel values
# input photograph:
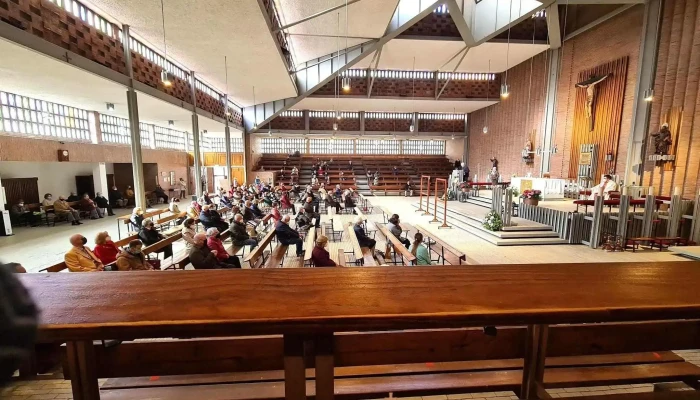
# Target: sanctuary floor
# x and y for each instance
(39, 247)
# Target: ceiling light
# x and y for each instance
(171, 123)
(505, 91)
(648, 95)
(346, 83)
(335, 126)
(165, 78)
(412, 127)
(255, 125)
(110, 106)
(338, 116)
(486, 129)
(269, 132)
(453, 137)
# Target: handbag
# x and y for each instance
(154, 263)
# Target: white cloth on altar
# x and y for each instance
(603, 189)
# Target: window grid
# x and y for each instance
(334, 114)
(387, 115)
(24, 115)
(169, 138)
(425, 147)
(117, 130)
(377, 146)
(88, 16)
(441, 116)
(207, 89)
(292, 113)
(354, 73)
(283, 145)
(331, 146)
(156, 58)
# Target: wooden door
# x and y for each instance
(85, 184)
(237, 172)
(26, 189)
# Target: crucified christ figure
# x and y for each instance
(590, 84)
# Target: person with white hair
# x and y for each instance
(288, 236)
(202, 257)
(214, 243)
(362, 238)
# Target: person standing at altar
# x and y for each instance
(606, 186)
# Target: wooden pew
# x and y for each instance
(257, 256)
(363, 255)
(440, 246)
(309, 243)
(170, 220)
(407, 257)
(341, 258)
(126, 219)
(606, 311)
(62, 265)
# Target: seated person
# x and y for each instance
(239, 232)
(132, 259)
(330, 202)
(22, 214)
(408, 188)
(226, 201)
(188, 231)
(394, 227)
(214, 243)
(202, 257)
(275, 212)
(193, 210)
(87, 205)
(116, 198)
(606, 186)
(48, 201)
(322, 190)
(174, 209)
(206, 199)
(375, 182)
(136, 218)
(362, 238)
(160, 193)
(73, 197)
(342, 176)
(303, 221)
(319, 255)
(256, 210)
(347, 199)
(149, 235)
(248, 215)
(105, 249)
(62, 209)
(420, 251)
(103, 203)
(288, 236)
(212, 219)
(369, 176)
(79, 258)
(311, 211)
(395, 170)
(129, 195)
(286, 203)
(338, 191)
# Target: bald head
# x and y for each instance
(200, 239)
(286, 219)
(238, 218)
(78, 240)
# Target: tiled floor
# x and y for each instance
(60, 389)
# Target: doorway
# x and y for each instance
(85, 184)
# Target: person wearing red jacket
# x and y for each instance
(319, 255)
(105, 249)
(214, 243)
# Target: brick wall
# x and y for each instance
(402, 87)
(326, 124)
(435, 24)
(616, 38)
(510, 123)
(676, 85)
(53, 24)
(387, 125)
(440, 125)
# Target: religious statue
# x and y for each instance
(494, 175)
(494, 162)
(590, 86)
(662, 140)
(527, 150)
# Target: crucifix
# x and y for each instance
(590, 86)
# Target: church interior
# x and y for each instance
(351, 199)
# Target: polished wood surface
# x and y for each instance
(139, 304)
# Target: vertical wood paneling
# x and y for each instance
(607, 111)
(677, 85)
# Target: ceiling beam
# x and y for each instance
(599, 21)
(312, 16)
(376, 65)
(312, 79)
(449, 78)
(594, 2)
(278, 45)
(461, 24)
(553, 27)
(331, 36)
(542, 6)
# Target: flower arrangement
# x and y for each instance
(532, 194)
(514, 191)
(465, 185)
(493, 221)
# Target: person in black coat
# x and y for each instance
(362, 238)
(239, 233)
(102, 202)
(311, 211)
(160, 193)
(115, 198)
(288, 236)
(255, 209)
(149, 235)
(212, 219)
(202, 257)
(136, 218)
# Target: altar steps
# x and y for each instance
(528, 233)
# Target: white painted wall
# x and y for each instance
(57, 178)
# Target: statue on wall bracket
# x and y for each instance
(662, 140)
(590, 86)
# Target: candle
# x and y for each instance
(677, 191)
(651, 190)
(624, 190)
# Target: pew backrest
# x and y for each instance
(391, 241)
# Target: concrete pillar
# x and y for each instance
(99, 179)
(646, 74)
(195, 138)
(465, 158)
(247, 156)
(227, 136)
(550, 109)
(136, 155)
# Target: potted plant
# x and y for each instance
(493, 221)
(531, 197)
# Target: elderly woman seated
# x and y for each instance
(214, 243)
